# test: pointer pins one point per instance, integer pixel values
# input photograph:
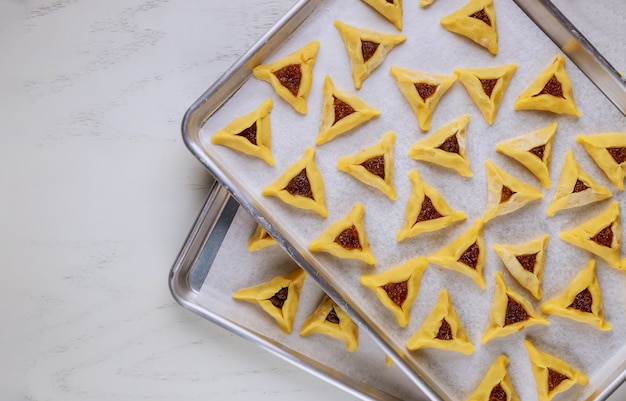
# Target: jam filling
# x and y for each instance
(481, 15)
(342, 109)
(249, 133)
(488, 85)
(498, 394)
(349, 239)
(618, 154)
(397, 292)
(527, 261)
(390, 1)
(450, 145)
(300, 185)
(554, 379)
(375, 165)
(265, 235)
(538, 151)
(515, 313)
(579, 187)
(278, 299)
(428, 211)
(368, 49)
(425, 90)
(583, 301)
(445, 331)
(506, 194)
(553, 87)
(470, 256)
(332, 317)
(604, 237)
(290, 77)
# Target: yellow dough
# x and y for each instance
(373, 166)
(546, 367)
(426, 3)
(423, 91)
(390, 9)
(341, 112)
(426, 210)
(292, 76)
(366, 49)
(301, 185)
(550, 91)
(575, 188)
(441, 329)
(476, 21)
(486, 87)
(505, 193)
(496, 382)
(600, 235)
(397, 287)
(446, 147)
(250, 134)
(260, 239)
(532, 150)
(330, 320)
(510, 313)
(581, 300)
(278, 297)
(525, 262)
(346, 238)
(466, 254)
(608, 150)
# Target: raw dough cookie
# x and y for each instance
(373, 166)
(447, 147)
(423, 91)
(390, 9)
(575, 188)
(550, 91)
(496, 385)
(301, 185)
(278, 297)
(260, 239)
(441, 329)
(426, 210)
(346, 238)
(608, 150)
(581, 300)
(341, 112)
(510, 313)
(292, 76)
(366, 49)
(533, 150)
(330, 320)
(486, 87)
(249, 134)
(477, 21)
(397, 287)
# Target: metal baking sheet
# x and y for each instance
(236, 94)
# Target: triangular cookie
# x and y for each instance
(533, 150)
(331, 320)
(292, 76)
(510, 313)
(301, 185)
(423, 91)
(525, 262)
(426, 3)
(552, 375)
(581, 300)
(260, 239)
(426, 210)
(366, 49)
(346, 238)
(477, 21)
(496, 384)
(600, 235)
(441, 329)
(390, 9)
(447, 147)
(608, 150)
(550, 91)
(466, 254)
(505, 193)
(374, 165)
(576, 188)
(486, 87)
(249, 134)
(397, 287)
(278, 297)
(341, 112)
